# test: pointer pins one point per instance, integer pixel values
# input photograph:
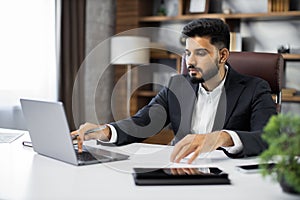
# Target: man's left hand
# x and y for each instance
(199, 143)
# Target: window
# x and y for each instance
(27, 48)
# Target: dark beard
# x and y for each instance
(211, 73)
(196, 80)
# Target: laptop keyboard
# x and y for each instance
(85, 156)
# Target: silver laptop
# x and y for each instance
(50, 135)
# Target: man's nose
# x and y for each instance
(190, 60)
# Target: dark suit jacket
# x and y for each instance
(245, 107)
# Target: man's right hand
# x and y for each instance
(103, 135)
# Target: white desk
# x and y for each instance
(27, 175)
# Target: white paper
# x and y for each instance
(9, 135)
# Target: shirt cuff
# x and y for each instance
(113, 137)
(237, 143)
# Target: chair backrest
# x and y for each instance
(268, 66)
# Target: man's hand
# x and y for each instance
(199, 143)
(103, 135)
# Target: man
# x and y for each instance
(212, 107)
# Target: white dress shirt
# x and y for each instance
(205, 112)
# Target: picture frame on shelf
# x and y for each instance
(197, 6)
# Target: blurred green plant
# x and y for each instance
(282, 133)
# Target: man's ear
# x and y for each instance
(224, 54)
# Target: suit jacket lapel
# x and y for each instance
(187, 97)
(233, 88)
(221, 112)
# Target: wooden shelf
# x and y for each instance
(295, 99)
(264, 16)
(291, 57)
(146, 93)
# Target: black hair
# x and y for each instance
(216, 29)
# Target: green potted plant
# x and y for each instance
(282, 133)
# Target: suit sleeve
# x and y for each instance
(147, 122)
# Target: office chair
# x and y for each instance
(268, 66)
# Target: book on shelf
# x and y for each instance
(235, 41)
(278, 5)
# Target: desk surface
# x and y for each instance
(27, 175)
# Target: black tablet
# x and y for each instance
(180, 176)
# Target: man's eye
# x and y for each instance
(201, 53)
